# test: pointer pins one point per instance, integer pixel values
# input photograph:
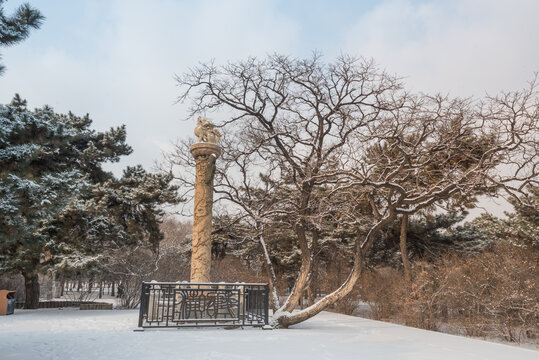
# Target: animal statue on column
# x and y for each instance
(205, 131)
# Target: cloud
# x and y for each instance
(465, 48)
(124, 71)
(116, 59)
(461, 47)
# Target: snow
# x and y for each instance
(74, 334)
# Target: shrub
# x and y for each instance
(492, 294)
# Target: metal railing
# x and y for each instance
(182, 304)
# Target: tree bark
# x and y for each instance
(303, 275)
(286, 320)
(404, 251)
(313, 276)
(31, 284)
(272, 279)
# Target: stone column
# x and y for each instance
(205, 155)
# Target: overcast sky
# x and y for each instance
(116, 60)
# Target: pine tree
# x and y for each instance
(429, 236)
(119, 212)
(16, 28)
(48, 162)
(520, 228)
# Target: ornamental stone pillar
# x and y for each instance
(205, 151)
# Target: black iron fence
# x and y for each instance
(166, 304)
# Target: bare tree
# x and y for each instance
(350, 132)
(128, 266)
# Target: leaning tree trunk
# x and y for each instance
(303, 276)
(285, 320)
(31, 284)
(272, 278)
(404, 251)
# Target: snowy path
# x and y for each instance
(75, 334)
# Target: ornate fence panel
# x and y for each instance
(166, 304)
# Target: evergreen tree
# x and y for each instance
(520, 228)
(16, 28)
(429, 236)
(118, 213)
(58, 207)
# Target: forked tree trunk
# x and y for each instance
(285, 320)
(404, 251)
(303, 275)
(31, 285)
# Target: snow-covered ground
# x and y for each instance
(74, 334)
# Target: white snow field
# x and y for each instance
(76, 334)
